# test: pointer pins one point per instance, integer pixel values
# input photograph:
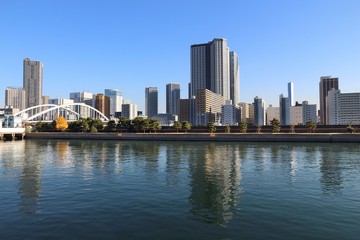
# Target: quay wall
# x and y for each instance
(220, 137)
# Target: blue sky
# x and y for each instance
(130, 45)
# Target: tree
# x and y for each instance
(138, 124)
(93, 129)
(311, 126)
(243, 127)
(80, 125)
(61, 123)
(292, 129)
(177, 125)
(258, 129)
(155, 125)
(350, 128)
(186, 125)
(110, 127)
(275, 125)
(211, 127)
(227, 128)
(123, 124)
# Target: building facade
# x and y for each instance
(116, 100)
(15, 97)
(32, 82)
(230, 114)
(284, 105)
(291, 93)
(210, 69)
(343, 108)
(208, 107)
(129, 111)
(151, 101)
(326, 84)
(173, 98)
(259, 111)
(309, 112)
(234, 78)
(271, 113)
(102, 103)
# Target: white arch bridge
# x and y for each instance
(49, 112)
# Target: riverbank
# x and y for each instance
(217, 137)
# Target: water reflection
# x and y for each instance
(30, 179)
(330, 168)
(215, 182)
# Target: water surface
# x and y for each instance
(178, 190)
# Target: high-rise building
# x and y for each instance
(81, 97)
(210, 67)
(259, 111)
(309, 112)
(284, 105)
(291, 93)
(32, 82)
(234, 78)
(326, 84)
(343, 108)
(15, 97)
(129, 111)
(173, 98)
(188, 110)
(151, 101)
(116, 100)
(102, 103)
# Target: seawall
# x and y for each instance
(220, 137)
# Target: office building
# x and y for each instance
(129, 111)
(291, 93)
(309, 112)
(296, 114)
(15, 97)
(60, 101)
(210, 67)
(234, 75)
(326, 84)
(230, 114)
(102, 103)
(151, 101)
(343, 108)
(32, 82)
(116, 100)
(208, 106)
(271, 113)
(247, 112)
(173, 98)
(284, 105)
(188, 110)
(82, 97)
(259, 111)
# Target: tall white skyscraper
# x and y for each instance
(15, 97)
(234, 78)
(116, 100)
(210, 67)
(173, 98)
(291, 93)
(33, 82)
(151, 101)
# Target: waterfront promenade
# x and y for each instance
(216, 137)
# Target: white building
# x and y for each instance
(61, 101)
(129, 111)
(343, 108)
(309, 112)
(116, 100)
(230, 114)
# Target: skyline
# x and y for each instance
(129, 46)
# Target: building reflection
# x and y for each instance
(30, 178)
(330, 167)
(215, 182)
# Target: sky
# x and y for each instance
(129, 45)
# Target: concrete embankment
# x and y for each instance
(220, 137)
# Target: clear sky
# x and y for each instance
(90, 45)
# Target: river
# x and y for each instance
(56, 189)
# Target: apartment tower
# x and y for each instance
(326, 84)
(173, 98)
(32, 82)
